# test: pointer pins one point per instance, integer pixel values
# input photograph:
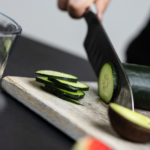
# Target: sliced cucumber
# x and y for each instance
(75, 95)
(45, 80)
(50, 83)
(139, 77)
(71, 85)
(61, 96)
(106, 83)
(57, 75)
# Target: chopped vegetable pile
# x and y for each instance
(62, 85)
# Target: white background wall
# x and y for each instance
(41, 20)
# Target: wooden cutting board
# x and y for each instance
(74, 120)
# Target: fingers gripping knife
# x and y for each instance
(100, 51)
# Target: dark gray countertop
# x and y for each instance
(20, 128)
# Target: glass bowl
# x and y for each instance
(9, 33)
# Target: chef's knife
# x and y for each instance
(100, 50)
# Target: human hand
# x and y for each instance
(77, 8)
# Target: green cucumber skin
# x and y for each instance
(61, 96)
(57, 75)
(139, 77)
(52, 84)
(76, 97)
(69, 87)
(62, 78)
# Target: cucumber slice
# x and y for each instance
(45, 80)
(50, 83)
(75, 95)
(61, 96)
(71, 85)
(106, 84)
(57, 75)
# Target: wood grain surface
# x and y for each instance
(74, 120)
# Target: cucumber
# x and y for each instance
(139, 77)
(45, 80)
(57, 75)
(75, 95)
(50, 83)
(61, 96)
(107, 82)
(62, 84)
(71, 85)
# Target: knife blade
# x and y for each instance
(100, 50)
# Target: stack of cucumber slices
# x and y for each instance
(64, 86)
